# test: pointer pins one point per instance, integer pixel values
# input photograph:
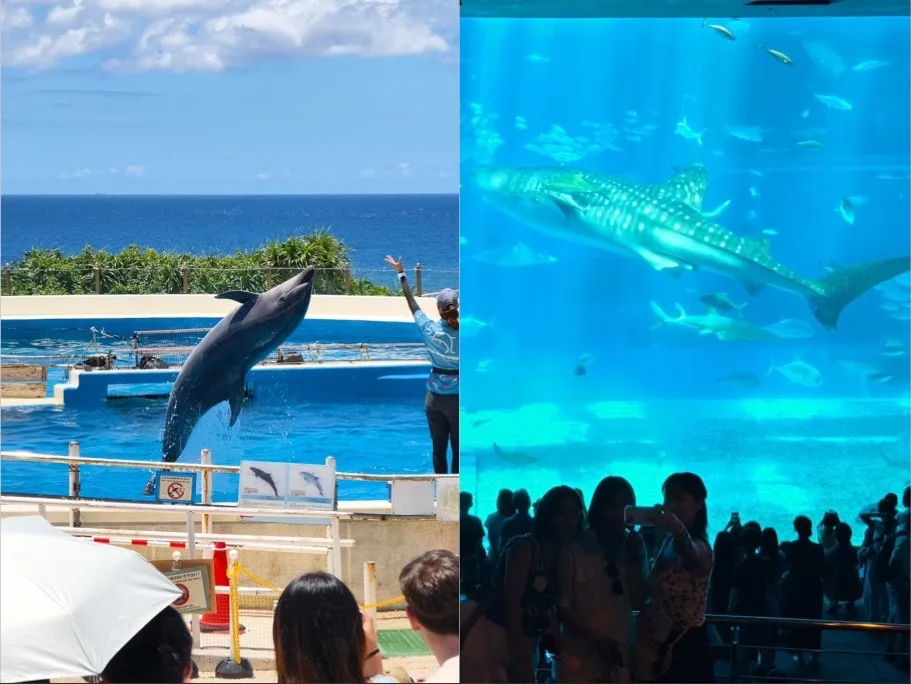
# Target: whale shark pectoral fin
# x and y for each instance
(236, 401)
(661, 263)
(241, 296)
(567, 205)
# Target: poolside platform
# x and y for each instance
(349, 307)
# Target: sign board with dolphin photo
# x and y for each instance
(287, 485)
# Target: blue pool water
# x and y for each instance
(364, 438)
(387, 435)
(589, 362)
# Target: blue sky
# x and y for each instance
(230, 96)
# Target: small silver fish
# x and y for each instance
(722, 31)
(780, 56)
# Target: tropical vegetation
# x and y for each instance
(143, 270)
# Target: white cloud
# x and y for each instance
(76, 173)
(367, 172)
(263, 176)
(213, 35)
(134, 170)
(404, 169)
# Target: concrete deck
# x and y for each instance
(195, 305)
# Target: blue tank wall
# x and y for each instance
(327, 331)
(278, 384)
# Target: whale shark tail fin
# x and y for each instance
(845, 284)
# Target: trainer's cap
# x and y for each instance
(448, 299)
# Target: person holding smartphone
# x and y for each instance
(672, 638)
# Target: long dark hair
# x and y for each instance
(609, 488)
(693, 485)
(318, 632)
(543, 522)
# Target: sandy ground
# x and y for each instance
(214, 647)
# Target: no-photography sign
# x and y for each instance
(174, 488)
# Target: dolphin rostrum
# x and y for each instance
(664, 226)
(216, 369)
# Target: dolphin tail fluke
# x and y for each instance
(843, 285)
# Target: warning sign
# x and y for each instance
(195, 578)
(175, 487)
(193, 585)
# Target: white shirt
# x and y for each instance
(447, 674)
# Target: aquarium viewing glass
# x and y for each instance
(602, 163)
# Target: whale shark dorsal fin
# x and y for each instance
(241, 296)
(687, 185)
(236, 401)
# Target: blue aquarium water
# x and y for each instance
(656, 220)
(420, 228)
(364, 438)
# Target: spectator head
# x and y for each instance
(751, 537)
(522, 501)
(559, 514)
(318, 632)
(891, 500)
(830, 520)
(159, 652)
(505, 505)
(803, 526)
(769, 545)
(466, 501)
(685, 495)
(906, 497)
(611, 496)
(430, 584)
(843, 534)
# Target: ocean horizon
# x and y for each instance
(421, 228)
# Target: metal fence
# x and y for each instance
(185, 279)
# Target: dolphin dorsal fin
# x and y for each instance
(241, 296)
(687, 185)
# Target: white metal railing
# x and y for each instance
(75, 458)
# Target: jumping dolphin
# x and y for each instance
(216, 369)
(664, 226)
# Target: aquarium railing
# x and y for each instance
(84, 279)
(738, 650)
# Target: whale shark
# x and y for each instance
(217, 367)
(663, 225)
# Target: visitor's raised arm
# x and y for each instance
(406, 288)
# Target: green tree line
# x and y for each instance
(143, 270)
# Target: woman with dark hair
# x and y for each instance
(523, 606)
(600, 581)
(724, 552)
(320, 635)
(672, 643)
(825, 531)
(494, 523)
(442, 339)
(802, 588)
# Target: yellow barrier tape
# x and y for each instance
(263, 583)
(234, 609)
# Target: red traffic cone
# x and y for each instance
(220, 620)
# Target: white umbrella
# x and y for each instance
(67, 605)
